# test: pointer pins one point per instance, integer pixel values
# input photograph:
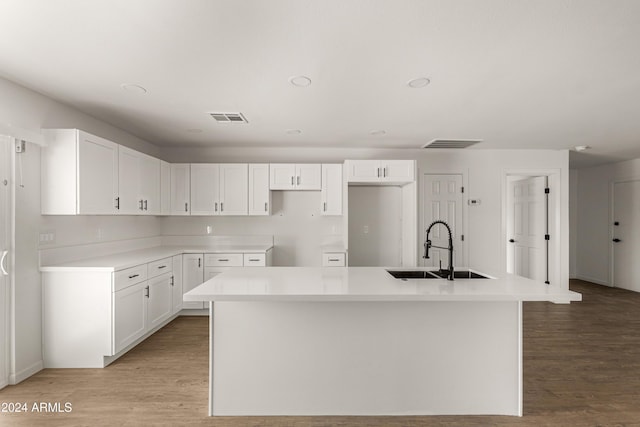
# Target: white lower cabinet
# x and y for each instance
(192, 276)
(129, 315)
(159, 300)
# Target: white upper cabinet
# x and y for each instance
(288, 176)
(331, 193)
(259, 194)
(165, 188)
(139, 183)
(380, 171)
(180, 188)
(219, 189)
(79, 174)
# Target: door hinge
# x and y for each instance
(547, 237)
(547, 190)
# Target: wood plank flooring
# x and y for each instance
(581, 368)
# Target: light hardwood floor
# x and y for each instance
(581, 368)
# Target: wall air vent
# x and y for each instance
(451, 143)
(229, 117)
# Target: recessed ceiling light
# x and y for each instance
(581, 147)
(418, 83)
(378, 132)
(130, 87)
(293, 131)
(301, 81)
(194, 130)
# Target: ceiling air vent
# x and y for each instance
(451, 143)
(229, 117)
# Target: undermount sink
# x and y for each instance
(422, 274)
(462, 274)
(412, 274)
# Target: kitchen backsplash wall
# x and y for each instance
(295, 222)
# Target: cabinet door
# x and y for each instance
(398, 170)
(159, 300)
(234, 189)
(129, 163)
(259, 193)
(363, 170)
(165, 188)
(176, 284)
(149, 176)
(180, 189)
(129, 315)
(308, 177)
(205, 192)
(282, 176)
(97, 175)
(192, 276)
(331, 195)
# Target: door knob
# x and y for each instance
(617, 240)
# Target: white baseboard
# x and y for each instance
(593, 280)
(18, 377)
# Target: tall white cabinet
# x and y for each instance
(180, 188)
(331, 193)
(259, 194)
(138, 183)
(192, 276)
(79, 174)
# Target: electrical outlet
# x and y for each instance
(47, 237)
(209, 229)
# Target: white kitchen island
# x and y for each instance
(356, 341)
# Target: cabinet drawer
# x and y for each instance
(255, 260)
(159, 267)
(130, 276)
(223, 260)
(333, 259)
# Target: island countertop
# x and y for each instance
(366, 284)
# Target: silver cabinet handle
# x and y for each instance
(378, 172)
(3, 269)
(291, 180)
(298, 181)
(334, 259)
(147, 292)
(223, 259)
(172, 281)
(265, 207)
(384, 172)
(254, 259)
(199, 262)
(140, 207)
(161, 267)
(186, 209)
(221, 206)
(325, 206)
(215, 207)
(133, 276)
(145, 205)
(118, 203)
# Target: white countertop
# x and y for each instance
(123, 260)
(365, 284)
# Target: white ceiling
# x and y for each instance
(543, 74)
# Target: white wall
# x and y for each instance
(26, 109)
(593, 243)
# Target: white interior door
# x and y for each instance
(626, 235)
(5, 254)
(527, 228)
(442, 200)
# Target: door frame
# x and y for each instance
(612, 201)
(6, 145)
(554, 215)
(422, 228)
